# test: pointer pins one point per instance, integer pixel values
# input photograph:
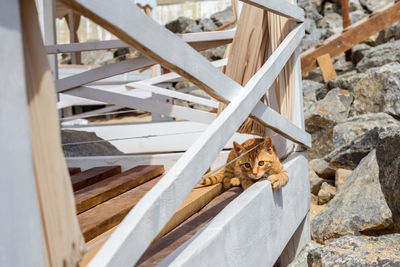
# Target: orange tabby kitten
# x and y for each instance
(258, 163)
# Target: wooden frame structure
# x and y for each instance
(263, 211)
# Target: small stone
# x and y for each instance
(315, 182)
(340, 177)
(326, 193)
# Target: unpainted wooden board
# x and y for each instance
(161, 248)
(92, 176)
(257, 220)
(356, 33)
(108, 214)
(74, 170)
(165, 198)
(326, 67)
(95, 194)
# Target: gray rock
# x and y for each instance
(331, 21)
(373, 5)
(359, 207)
(181, 25)
(358, 52)
(311, 91)
(345, 132)
(97, 57)
(315, 182)
(86, 149)
(223, 17)
(311, 39)
(309, 25)
(349, 155)
(326, 114)
(214, 53)
(378, 91)
(192, 28)
(389, 34)
(301, 259)
(314, 75)
(346, 81)
(388, 157)
(206, 24)
(356, 16)
(349, 251)
(379, 56)
(342, 66)
(322, 168)
(326, 193)
(354, 5)
(309, 10)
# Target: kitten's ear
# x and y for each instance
(238, 148)
(268, 144)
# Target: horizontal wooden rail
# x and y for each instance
(150, 215)
(126, 100)
(178, 95)
(356, 33)
(271, 218)
(199, 41)
(102, 72)
(280, 7)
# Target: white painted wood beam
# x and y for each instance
(194, 39)
(102, 72)
(22, 240)
(155, 209)
(280, 7)
(175, 94)
(127, 100)
(254, 228)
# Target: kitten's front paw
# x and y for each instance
(278, 181)
(235, 182)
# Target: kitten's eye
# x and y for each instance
(261, 163)
(247, 165)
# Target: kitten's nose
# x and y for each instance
(255, 174)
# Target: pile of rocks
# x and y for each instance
(354, 162)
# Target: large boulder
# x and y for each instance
(388, 157)
(389, 34)
(345, 132)
(379, 56)
(301, 258)
(81, 143)
(322, 168)
(359, 207)
(349, 155)
(373, 5)
(326, 114)
(349, 251)
(358, 52)
(378, 91)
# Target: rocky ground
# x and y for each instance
(355, 159)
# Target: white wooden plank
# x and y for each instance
(254, 228)
(125, 99)
(92, 113)
(102, 72)
(280, 7)
(164, 198)
(154, 137)
(175, 94)
(21, 242)
(194, 39)
(129, 161)
(173, 77)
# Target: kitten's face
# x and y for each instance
(257, 163)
